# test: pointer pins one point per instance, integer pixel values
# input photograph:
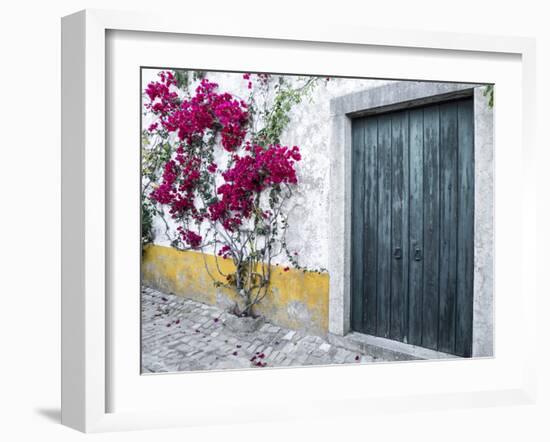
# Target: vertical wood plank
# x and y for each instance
(399, 225)
(357, 224)
(371, 221)
(430, 300)
(465, 264)
(449, 222)
(416, 226)
(384, 255)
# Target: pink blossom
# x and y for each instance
(193, 239)
(253, 169)
(191, 119)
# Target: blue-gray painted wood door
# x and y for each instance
(412, 241)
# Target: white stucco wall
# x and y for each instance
(309, 129)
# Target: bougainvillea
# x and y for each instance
(224, 185)
(205, 111)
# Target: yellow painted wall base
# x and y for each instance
(296, 300)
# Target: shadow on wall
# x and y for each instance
(50, 414)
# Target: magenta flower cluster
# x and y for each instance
(263, 79)
(251, 174)
(162, 100)
(192, 118)
(179, 181)
(252, 169)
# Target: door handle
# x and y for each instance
(397, 254)
(418, 254)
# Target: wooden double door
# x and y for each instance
(412, 239)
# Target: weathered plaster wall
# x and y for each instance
(483, 328)
(297, 300)
(310, 130)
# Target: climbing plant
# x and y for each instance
(489, 92)
(214, 165)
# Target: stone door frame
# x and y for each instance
(395, 96)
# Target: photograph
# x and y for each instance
(307, 220)
(275, 221)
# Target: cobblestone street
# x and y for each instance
(179, 334)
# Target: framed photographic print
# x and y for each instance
(290, 210)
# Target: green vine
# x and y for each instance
(147, 213)
(277, 117)
(490, 93)
(184, 78)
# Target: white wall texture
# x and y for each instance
(309, 129)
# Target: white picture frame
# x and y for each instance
(86, 314)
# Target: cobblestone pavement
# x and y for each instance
(179, 334)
